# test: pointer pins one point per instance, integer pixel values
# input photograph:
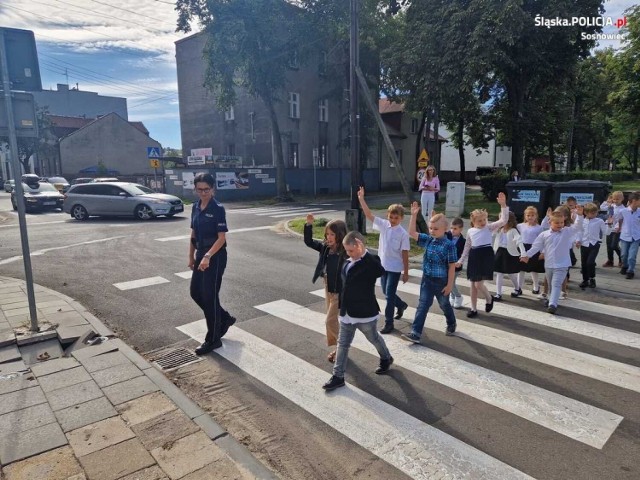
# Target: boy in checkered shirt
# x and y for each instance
(438, 272)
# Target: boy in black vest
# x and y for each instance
(359, 308)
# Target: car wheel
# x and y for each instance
(79, 212)
(143, 212)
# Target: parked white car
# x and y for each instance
(120, 199)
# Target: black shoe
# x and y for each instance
(225, 328)
(584, 284)
(535, 292)
(623, 271)
(207, 347)
(451, 329)
(592, 283)
(384, 365)
(333, 383)
(629, 275)
(516, 293)
(472, 313)
(546, 303)
(496, 298)
(387, 328)
(552, 309)
(489, 306)
(400, 313)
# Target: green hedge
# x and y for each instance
(493, 184)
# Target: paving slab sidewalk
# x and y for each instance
(101, 412)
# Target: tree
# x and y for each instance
(250, 45)
(529, 58)
(30, 146)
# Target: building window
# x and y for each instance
(322, 65)
(399, 157)
(231, 149)
(229, 115)
(323, 110)
(294, 105)
(293, 60)
(293, 156)
(414, 125)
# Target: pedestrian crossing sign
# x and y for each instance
(154, 152)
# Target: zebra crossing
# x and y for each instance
(423, 451)
(279, 211)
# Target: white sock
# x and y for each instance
(536, 280)
(499, 282)
(515, 280)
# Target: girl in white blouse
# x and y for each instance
(480, 252)
(508, 247)
(530, 229)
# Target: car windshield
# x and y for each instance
(135, 189)
(57, 180)
(41, 187)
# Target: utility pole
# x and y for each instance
(354, 217)
(18, 190)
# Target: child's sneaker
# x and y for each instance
(584, 284)
(450, 331)
(472, 313)
(564, 296)
(385, 365)
(412, 337)
(592, 283)
(333, 383)
(552, 309)
(457, 303)
(388, 328)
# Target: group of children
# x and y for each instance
(350, 272)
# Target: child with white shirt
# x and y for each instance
(480, 252)
(529, 230)
(555, 244)
(614, 207)
(508, 246)
(629, 222)
(393, 250)
(593, 231)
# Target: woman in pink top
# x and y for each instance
(429, 185)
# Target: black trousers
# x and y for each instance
(205, 291)
(588, 257)
(613, 245)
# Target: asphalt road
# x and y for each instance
(266, 401)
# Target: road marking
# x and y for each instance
(290, 211)
(412, 446)
(186, 275)
(566, 324)
(584, 305)
(574, 419)
(143, 282)
(265, 209)
(35, 224)
(237, 230)
(584, 364)
(321, 212)
(46, 250)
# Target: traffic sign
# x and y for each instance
(423, 159)
(155, 163)
(154, 152)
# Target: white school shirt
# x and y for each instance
(529, 232)
(393, 240)
(593, 231)
(630, 230)
(616, 212)
(481, 237)
(556, 245)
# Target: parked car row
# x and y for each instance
(61, 183)
(98, 198)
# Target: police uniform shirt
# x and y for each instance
(208, 223)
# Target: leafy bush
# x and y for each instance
(491, 185)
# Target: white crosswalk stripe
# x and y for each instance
(567, 324)
(419, 450)
(415, 448)
(143, 282)
(285, 211)
(574, 419)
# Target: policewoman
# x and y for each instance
(208, 260)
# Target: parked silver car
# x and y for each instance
(9, 186)
(119, 199)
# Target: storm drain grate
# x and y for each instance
(176, 358)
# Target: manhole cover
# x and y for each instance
(178, 357)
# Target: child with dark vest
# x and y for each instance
(358, 307)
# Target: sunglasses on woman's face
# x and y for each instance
(203, 190)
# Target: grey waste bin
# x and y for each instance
(584, 191)
(525, 193)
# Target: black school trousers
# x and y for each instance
(588, 257)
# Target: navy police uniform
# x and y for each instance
(205, 286)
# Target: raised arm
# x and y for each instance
(577, 227)
(504, 213)
(415, 208)
(308, 234)
(363, 204)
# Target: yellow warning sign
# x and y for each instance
(155, 163)
(423, 159)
